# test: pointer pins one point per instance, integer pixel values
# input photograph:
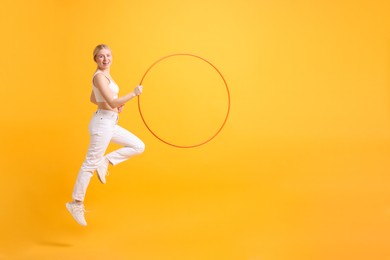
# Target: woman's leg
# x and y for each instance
(132, 145)
(101, 130)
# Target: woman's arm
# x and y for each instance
(101, 83)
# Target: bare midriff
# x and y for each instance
(105, 106)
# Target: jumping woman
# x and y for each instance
(103, 129)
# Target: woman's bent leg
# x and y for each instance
(132, 145)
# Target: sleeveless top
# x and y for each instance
(112, 86)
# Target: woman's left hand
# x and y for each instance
(138, 90)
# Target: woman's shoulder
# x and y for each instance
(100, 75)
(99, 72)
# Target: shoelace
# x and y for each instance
(80, 208)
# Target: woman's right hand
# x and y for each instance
(138, 90)
(120, 108)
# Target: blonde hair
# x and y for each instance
(98, 48)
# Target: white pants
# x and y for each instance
(103, 129)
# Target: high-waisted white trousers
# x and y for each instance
(103, 129)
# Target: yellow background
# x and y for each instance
(301, 170)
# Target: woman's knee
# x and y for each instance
(140, 148)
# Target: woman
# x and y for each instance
(103, 129)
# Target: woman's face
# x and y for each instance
(103, 59)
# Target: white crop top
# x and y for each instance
(112, 85)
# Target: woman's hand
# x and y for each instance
(138, 90)
(120, 108)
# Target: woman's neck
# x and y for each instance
(105, 71)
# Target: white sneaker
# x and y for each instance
(102, 170)
(77, 210)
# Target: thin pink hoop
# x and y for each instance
(228, 108)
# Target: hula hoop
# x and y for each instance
(228, 107)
